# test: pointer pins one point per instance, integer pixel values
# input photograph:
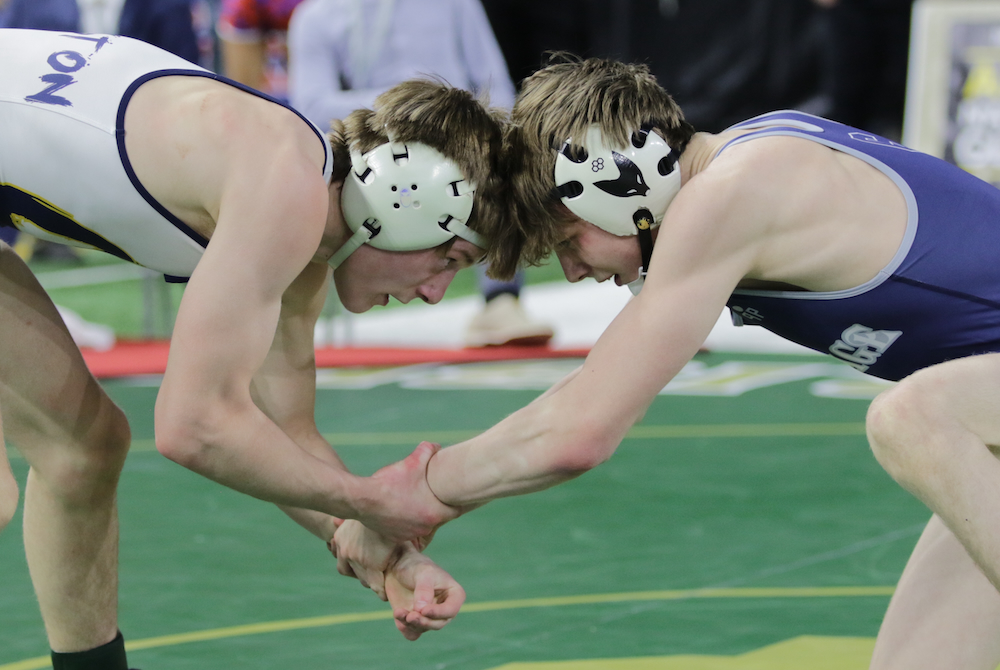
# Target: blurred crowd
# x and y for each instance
(722, 60)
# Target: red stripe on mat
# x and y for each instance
(150, 357)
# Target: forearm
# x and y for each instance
(319, 524)
(243, 449)
(283, 398)
(579, 424)
(526, 452)
(559, 436)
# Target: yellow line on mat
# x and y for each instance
(556, 601)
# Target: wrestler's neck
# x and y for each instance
(700, 151)
(336, 233)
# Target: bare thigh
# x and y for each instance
(54, 411)
(937, 433)
(962, 394)
(947, 415)
(944, 614)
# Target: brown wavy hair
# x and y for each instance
(451, 120)
(559, 103)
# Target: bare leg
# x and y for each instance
(945, 613)
(75, 440)
(936, 433)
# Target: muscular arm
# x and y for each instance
(206, 417)
(271, 215)
(284, 387)
(579, 425)
(573, 429)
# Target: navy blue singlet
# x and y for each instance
(939, 297)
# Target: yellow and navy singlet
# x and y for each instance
(64, 173)
(938, 298)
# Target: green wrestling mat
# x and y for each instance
(743, 524)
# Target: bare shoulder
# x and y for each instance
(735, 194)
(212, 112)
(189, 139)
(801, 204)
(768, 164)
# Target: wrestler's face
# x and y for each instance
(589, 251)
(371, 276)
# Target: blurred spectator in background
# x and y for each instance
(167, 24)
(344, 53)
(527, 29)
(724, 61)
(253, 38)
(868, 51)
(205, 15)
(163, 23)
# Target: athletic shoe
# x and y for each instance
(504, 321)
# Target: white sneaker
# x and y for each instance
(95, 336)
(504, 321)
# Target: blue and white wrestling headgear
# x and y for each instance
(405, 197)
(623, 190)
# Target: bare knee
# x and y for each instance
(87, 469)
(112, 445)
(905, 424)
(105, 452)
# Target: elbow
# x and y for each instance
(580, 455)
(183, 438)
(178, 447)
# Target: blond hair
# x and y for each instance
(450, 120)
(558, 104)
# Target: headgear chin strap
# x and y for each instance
(405, 197)
(623, 190)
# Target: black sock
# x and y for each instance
(110, 656)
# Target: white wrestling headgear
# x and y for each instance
(405, 197)
(623, 190)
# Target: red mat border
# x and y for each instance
(129, 358)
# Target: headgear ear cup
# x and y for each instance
(608, 185)
(405, 197)
(623, 190)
